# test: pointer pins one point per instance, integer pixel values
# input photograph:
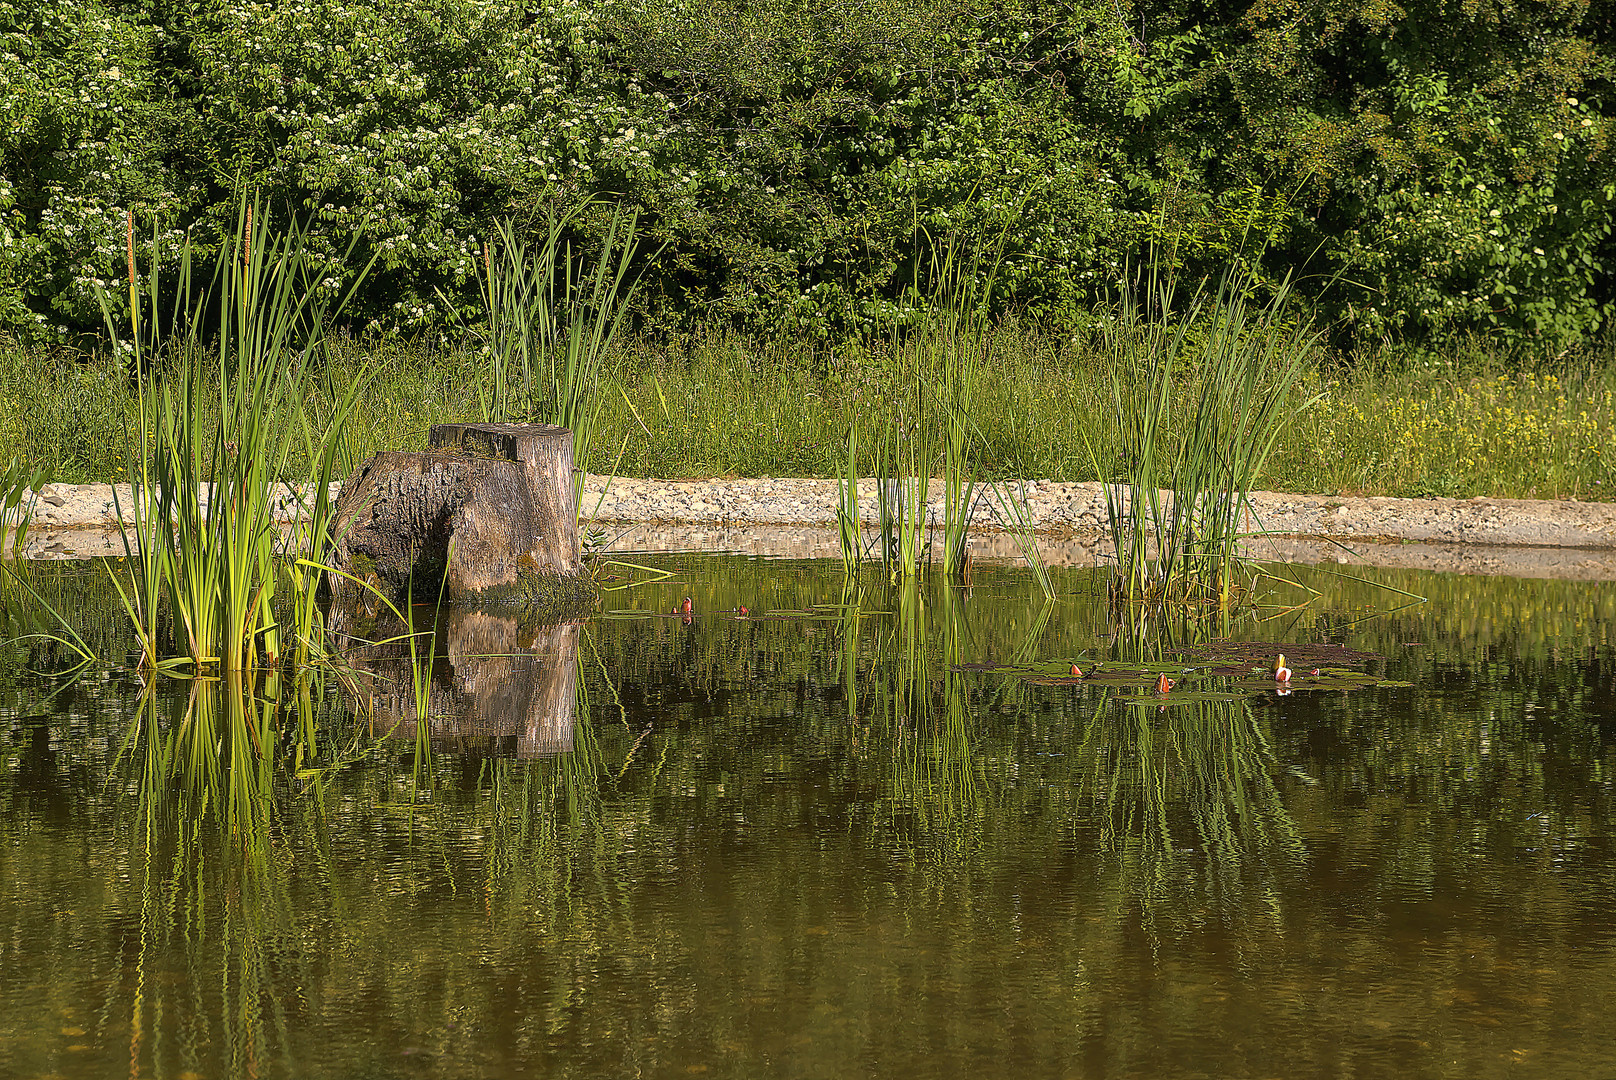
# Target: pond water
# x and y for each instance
(838, 835)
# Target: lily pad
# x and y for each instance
(1251, 653)
(1177, 699)
(1214, 671)
(1331, 678)
(1104, 673)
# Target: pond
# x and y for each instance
(838, 834)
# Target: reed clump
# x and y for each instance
(218, 368)
(20, 483)
(552, 315)
(1200, 395)
(931, 426)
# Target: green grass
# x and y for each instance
(721, 405)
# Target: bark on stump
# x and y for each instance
(486, 514)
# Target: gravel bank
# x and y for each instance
(1061, 509)
(785, 517)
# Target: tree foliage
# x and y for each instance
(1428, 170)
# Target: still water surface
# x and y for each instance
(805, 842)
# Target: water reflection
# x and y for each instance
(244, 885)
(484, 682)
(936, 779)
(215, 961)
(1188, 799)
(813, 840)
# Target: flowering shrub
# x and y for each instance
(1430, 172)
(85, 131)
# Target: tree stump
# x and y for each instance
(485, 515)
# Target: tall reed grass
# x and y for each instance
(552, 317)
(904, 469)
(931, 424)
(217, 368)
(951, 355)
(19, 494)
(1179, 477)
(849, 525)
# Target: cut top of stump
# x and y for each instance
(531, 444)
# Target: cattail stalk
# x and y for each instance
(134, 294)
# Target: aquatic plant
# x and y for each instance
(1178, 480)
(330, 457)
(209, 463)
(1012, 507)
(551, 320)
(849, 529)
(904, 480)
(942, 362)
(952, 352)
(19, 494)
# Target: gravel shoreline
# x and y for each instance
(1058, 509)
(80, 520)
(1064, 509)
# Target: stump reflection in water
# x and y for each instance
(499, 686)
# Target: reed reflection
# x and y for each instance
(218, 961)
(1183, 784)
(924, 722)
(244, 884)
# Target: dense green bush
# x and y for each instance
(1431, 171)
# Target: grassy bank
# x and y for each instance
(720, 406)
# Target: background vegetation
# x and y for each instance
(1428, 171)
(730, 406)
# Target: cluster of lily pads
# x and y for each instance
(1218, 671)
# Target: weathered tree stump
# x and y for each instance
(486, 515)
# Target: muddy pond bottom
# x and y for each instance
(808, 831)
